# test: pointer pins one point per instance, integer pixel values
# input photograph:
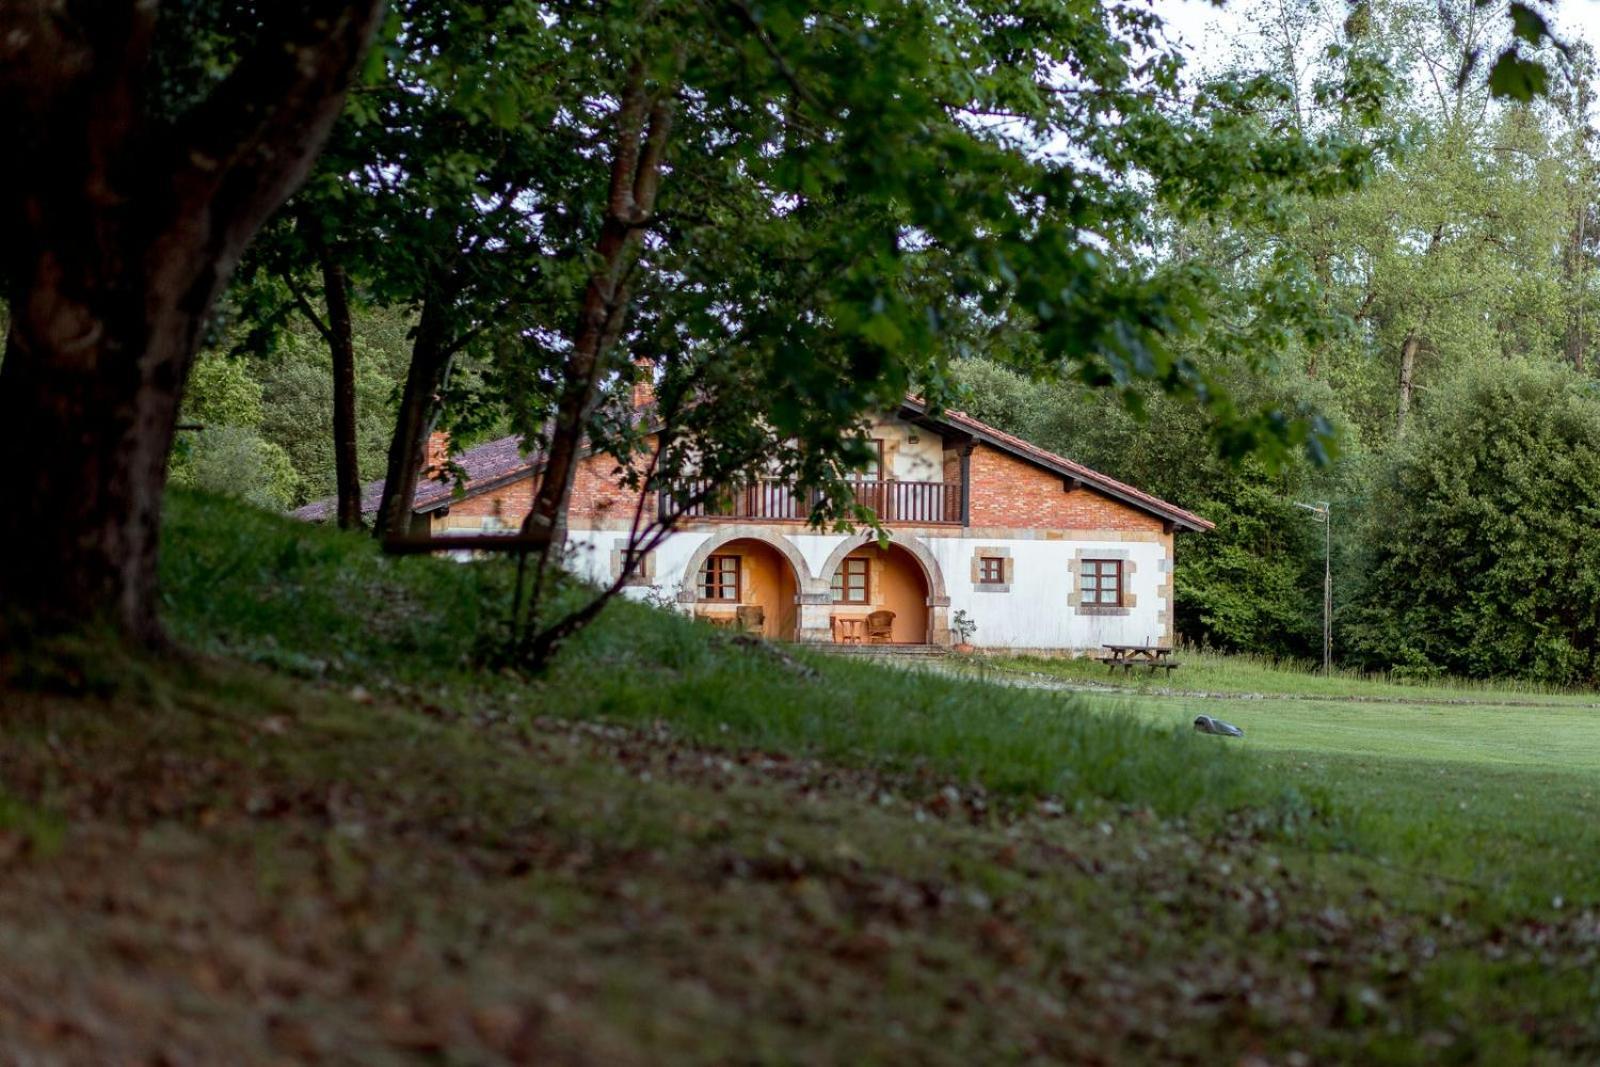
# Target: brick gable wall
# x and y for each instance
(1008, 492)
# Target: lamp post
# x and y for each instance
(1322, 512)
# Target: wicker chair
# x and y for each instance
(880, 627)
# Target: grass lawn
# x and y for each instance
(1210, 672)
(326, 835)
(1502, 797)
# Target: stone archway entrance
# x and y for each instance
(746, 582)
(870, 578)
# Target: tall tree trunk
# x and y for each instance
(1573, 268)
(341, 346)
(644, 126)
(430, 355)
(88, 393)
(118, 235)
(1408, 366)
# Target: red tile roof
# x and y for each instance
(486, 466)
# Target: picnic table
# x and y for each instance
(1150, 657)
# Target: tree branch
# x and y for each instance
(302, 302)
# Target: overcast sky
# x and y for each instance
(1203, 28)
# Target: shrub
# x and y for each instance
(1480, 554)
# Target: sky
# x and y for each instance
(1203, 27)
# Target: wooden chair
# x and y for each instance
(880, 627)
(752, 618)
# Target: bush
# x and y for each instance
(1480, 554)
(237, 462)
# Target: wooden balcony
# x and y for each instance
(769, 500)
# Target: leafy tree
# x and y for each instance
(238, 462)
(796, 205)
(1479, 551)
(298, 396)
(223, 391)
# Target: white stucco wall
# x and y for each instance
(1035, 612)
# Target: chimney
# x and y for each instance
(644, 383)
(436, 460)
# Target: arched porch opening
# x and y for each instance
(746, 583)
(869, 579)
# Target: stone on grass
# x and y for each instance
(1207, 725)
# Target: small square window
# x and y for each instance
(719, 578)
(991, 570)
(636, 559)
(1100, 582)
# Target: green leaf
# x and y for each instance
(1518, 79)
(1528, 24)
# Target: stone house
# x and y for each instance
(1042, 553)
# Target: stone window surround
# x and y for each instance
(644, 574)
(1000, 551)
(1130, 600)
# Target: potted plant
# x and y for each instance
(964, 627)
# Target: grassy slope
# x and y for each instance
(334, 837)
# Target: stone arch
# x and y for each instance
(937, 597)
(687, 587)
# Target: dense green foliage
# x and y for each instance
(275, 389)
(1473, 245)
(1481, 532)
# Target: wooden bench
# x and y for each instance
(1149, 657)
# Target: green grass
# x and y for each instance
(1503, 797)
(1437, 776)
(1213, 672)
(420, 622)
(334, 835)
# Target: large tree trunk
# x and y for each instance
(89, 395)
(430, 356)
(342, 348)
(117, 236)
(644, 125)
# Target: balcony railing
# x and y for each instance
(765, 498)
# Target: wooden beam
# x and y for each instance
(1069, 484)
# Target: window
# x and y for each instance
(850, 581)
(638, 560)
(991, 570)
(1100, 582)
(719, 578)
